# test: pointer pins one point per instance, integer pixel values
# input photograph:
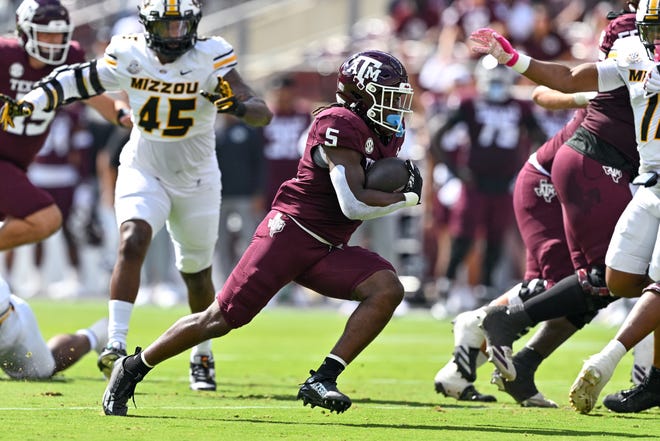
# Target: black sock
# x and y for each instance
(528, 357)
(330, 368)
(135, 365)
(566, 297)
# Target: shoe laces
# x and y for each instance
(201, 369)
(316, 378)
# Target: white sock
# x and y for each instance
(119, 315)
(204, 348)
(90, 336)
(614, 350)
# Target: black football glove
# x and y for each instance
(414, 181)
(224, 100)
(11, 109)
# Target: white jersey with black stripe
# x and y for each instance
(629, 66)
(173, 134)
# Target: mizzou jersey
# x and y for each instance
(20, 144)
(629, 67)
(173, 135)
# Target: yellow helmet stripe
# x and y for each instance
(172, 7)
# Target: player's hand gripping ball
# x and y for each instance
(389, 175)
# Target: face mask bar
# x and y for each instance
(395, 103)
(49, 53)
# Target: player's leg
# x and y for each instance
(193, 227)
(30, 213)
(643, 319)
(463, 221)
(25, 354)
(630, 251)
(269, 263)
(349, 273)
(141, 206)
(67, 349)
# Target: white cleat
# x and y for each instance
(591, 380)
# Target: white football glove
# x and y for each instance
(652, 82)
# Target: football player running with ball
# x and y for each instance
(304, 237)
(169, 175)
(632, 255)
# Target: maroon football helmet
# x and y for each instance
(375, 85)
(44, 17)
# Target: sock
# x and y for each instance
(331, 367)
(529, 357)
(118, 319)
(204, 348)
(135, 364)
(615, 350)
(90, 336)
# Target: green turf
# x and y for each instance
(259, 369)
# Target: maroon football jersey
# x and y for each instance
(310, 196)
(545, 154)
(498, 135)
(20, 144)
(609, 114)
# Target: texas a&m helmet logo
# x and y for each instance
(364, 69)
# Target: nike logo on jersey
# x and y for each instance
(157, 86)
(185, 72)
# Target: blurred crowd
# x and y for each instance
(430, 37)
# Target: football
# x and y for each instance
(388, 174)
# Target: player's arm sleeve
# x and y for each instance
(608, 75)
(67, 84)
(358, 210)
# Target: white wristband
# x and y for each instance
(411, 199)
(583, 98)
(522, 64)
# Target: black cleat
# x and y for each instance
(522, 389)
(641, 397)
(202, 373)
(450, 382)
(470, 393)
(502, 328)
(322, 392)
(121, 388)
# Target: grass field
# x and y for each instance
(260, 366)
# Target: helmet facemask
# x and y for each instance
(648, 26)
(171, 30)
(34, 20)
(390, 105)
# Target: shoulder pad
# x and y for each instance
(628, 50)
